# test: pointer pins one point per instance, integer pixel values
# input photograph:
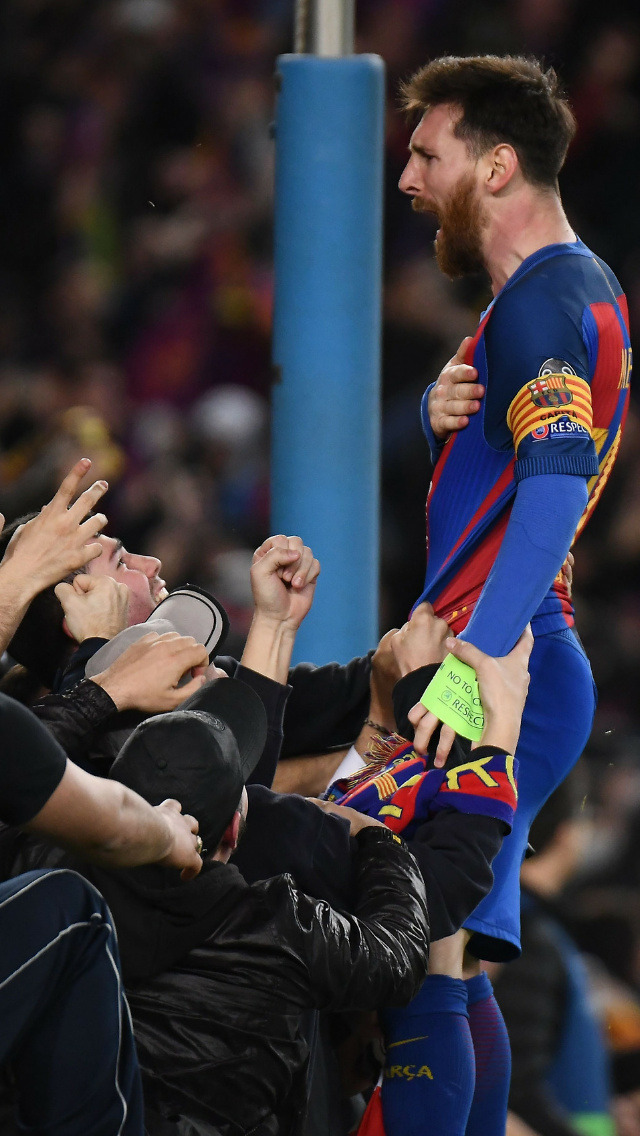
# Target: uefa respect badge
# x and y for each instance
(453, 696)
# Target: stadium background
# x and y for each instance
(136, 298)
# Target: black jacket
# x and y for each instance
(218, 1033)
(159, 922)
(236, 1060)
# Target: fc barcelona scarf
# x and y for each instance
(399, 789)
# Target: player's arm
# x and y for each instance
(539, 404)
(542, 525)
(545, 515)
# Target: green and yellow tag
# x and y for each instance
(454, 697)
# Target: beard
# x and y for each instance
(459, 242)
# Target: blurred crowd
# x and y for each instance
(136, 292)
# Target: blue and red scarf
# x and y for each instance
(399, 789)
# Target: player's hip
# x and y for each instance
(560, 706)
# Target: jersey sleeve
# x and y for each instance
(538, 391)
(436, 445)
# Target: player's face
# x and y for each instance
(140, 574)
(441, 178)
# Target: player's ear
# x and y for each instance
(501, 164)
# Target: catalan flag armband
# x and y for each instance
(485, 784)
(555, 406)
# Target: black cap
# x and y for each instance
(201, 754)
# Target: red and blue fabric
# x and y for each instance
(404, 792)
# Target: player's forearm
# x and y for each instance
(269, 648)
(540, 531)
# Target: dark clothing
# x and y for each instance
(73, 672)
(32, 764)
(159, 918)
(77, 718)
(291, 950)
(288, 833)
(65, 1031)
(406, 693)
(326, 708)
(237, 1060)
(86, 722)
(285, 833)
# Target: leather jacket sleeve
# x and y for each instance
(379, 955)
(274, 699)
(73, 717)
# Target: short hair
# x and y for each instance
(504, 98)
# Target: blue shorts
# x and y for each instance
(556, 724)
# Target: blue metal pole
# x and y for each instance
(326, 399)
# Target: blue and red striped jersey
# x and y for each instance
(554, 355)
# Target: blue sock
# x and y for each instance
(429, 1068)
(488, 1116)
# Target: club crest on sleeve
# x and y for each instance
(552, 390)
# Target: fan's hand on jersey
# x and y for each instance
(421, 640)
(503, 684)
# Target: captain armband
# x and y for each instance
(554, 406)
(453, 696)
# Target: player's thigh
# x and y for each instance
(557, 719)
(555, 727)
